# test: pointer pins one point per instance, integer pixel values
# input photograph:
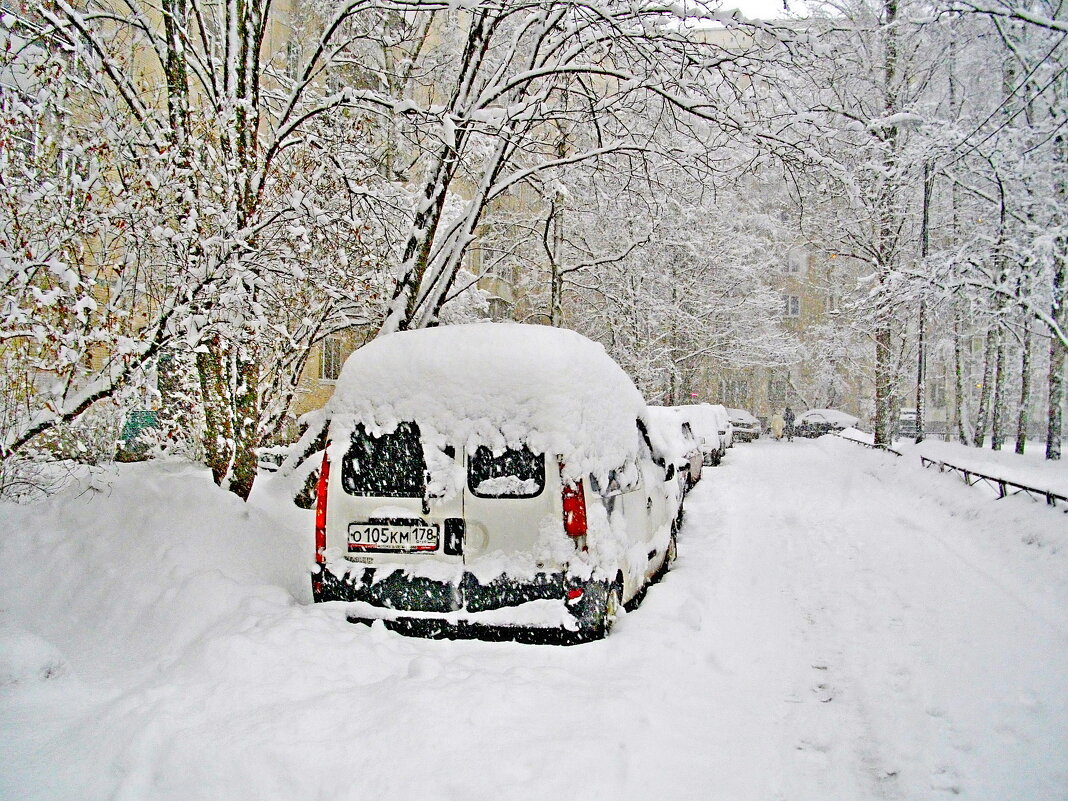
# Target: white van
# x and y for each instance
(487, 479)
(707, 424)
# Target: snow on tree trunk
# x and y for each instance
(1025, 387)
(979, 434)
(1058, 353)
(997, 414)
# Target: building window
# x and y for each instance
(292, 60)
(499, 309)
(330, 359)
(791, 306)
(735, 393)
(776, 392)
(938, 395)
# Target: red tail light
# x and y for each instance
(574, 510)
(320, 511)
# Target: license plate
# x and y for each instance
(401, 538)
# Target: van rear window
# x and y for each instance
(511, 474)
(389, 466)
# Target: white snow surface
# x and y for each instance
(840, 624)
(495, 384)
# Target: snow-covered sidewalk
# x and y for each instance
(839, 625)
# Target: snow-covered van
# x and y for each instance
(490, 477)
(707, 424)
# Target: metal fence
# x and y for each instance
(1003, 486)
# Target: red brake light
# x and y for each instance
(574, 509)
(320, 510)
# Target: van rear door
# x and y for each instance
(508, 494)
(381, 508)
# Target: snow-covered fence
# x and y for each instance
(886, 448)
(971, 478)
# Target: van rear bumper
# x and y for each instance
(527, 609)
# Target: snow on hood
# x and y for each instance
(494, 384)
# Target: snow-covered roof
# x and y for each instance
(495, 384)
(835, 416)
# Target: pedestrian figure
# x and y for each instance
(777, 425)
(788, 419)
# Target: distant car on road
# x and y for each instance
(746, 426)
(817, 422)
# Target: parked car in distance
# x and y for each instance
(726, 430)
(908, 423)
(491, 480)
(705, 425)
(683, 443)
(817, 422)
(746, 426)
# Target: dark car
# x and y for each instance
(817, 422)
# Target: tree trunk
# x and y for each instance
(1025, 389)
(246, 419)
(958, 376)
(213, 369)
(1059, 312)
(884, 384)
(979, 435)
(997, 415)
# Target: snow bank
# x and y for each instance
(494, 384)
(146, 558)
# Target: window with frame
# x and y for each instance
(330, 359)
(292, 60)
(388, 466)
(513, 473)
(938, 394)
(791, 305)
(776, 391)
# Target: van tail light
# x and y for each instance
(320, 510)
(574, 509)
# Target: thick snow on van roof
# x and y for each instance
(495, 384)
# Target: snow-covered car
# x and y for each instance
(680, 441)
(817, 422)
(491, 479)
(723, 420)
(908, 423)
(705, 424)
(745, 426)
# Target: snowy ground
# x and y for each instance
(841, 624)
